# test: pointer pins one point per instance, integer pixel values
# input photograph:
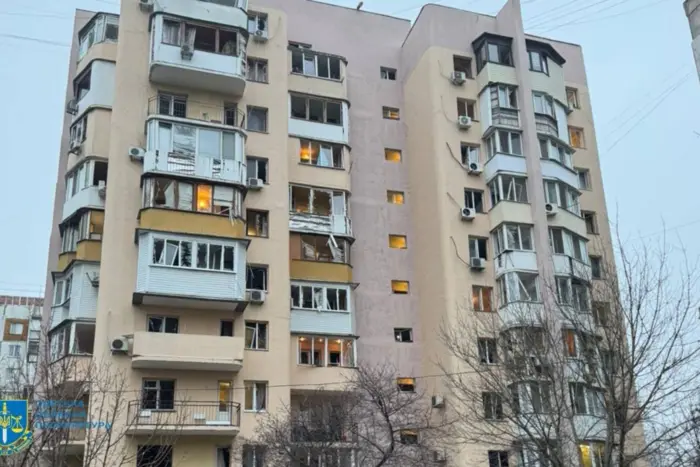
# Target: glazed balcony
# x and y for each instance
(318, 210)
(191, 55)
(195, 140)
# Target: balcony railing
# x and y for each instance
(180, 107)
(505, 117)
(195, 165)
(182, 414)
(332, 224)
(546, 125)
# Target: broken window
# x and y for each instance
(474, 199)
(311, 63)
(320, 298)
(255, 335)
(477, 248)
(316, 109)
(462, 64)
(257, 70)
(172, 194)
(518, 287)
(256, 223)
(390, 113)
(178, 253)
(403, 334)
(101, 28)
(467, 108)
(315, 201)
(257, 22)
(78, 131)
(257, 119)
(256, 168)
(406, 384)
(493, 406)
(512, 237)
(508, 188)
(165, 324)
(321, 248)
(84, 338)
(321, 154)
(469, 153)
(256, 278)
(82, 84)
(482, 298)
(387, 73)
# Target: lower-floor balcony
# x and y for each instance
(521, 314)
(171, 351)
(182, 418)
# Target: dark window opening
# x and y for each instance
(256, 278)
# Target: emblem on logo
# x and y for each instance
(15, 433)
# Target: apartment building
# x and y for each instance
(692, 11)
(20, 321)
(255, 197)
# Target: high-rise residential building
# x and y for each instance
(20, 322)
(254, 198)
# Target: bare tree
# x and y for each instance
(83, 411)
(372, 422)
(594, 367)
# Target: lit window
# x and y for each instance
(482, 298)
(395, 197)
(204, 197)
(406, 384)
(256, 223)
(399, 287)
(572, 98)
(392, 155)
(321, 154)
(576, 137)
(326, 351)
(397, 241)
(390, 113)
(570, 345)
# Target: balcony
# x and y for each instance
(568, 220)
(194, 56)
(316, 258)
(195, 140)
(590, 427)
(513, 260)
(85, 187)
(567, 266)
(310, 375)
(551, 168)
(321, 308)
(231, 12)
(518, 314)
(94, 87)
(507, 163)
(329, 69)
(156, 350)
(190, 272)
(185, 418)
(316, 210)
(91, 197)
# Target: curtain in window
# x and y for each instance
(184, 148)
(325, 157)
(184, 201)
(171, 32)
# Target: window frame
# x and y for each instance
(182, 36)
(385, 73)
(257, 161)
(495, 139)
(194, 254)
(299, 290)
(250, 274)
(512, 289)
(344, 360)
(541, 59)
(391, 113)
(164, 323)
(497, 193)
(255, 108)
(502, 240)
(591, 229)
(216, 200)
(463, 64)
(336, 151)
(398, 335)
(255, 63)
(488, 350)
(476, 245)
(581, 137)
(572, 95)
(470, 200)
(306, 55)
(493, 406)
(254, 342)
(586, 173)
(464, 105)
(255, 387)
(494, 51)
(257, 215)
(307, 109)
(478, 292)
(159, 400)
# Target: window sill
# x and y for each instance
(165, 266)
(342, 169)
(257, 81)
(256, 236)
(312, 121)
(264, 132)
(254, 411)
(539, 71)
(321, 311)
(303, 75)
(257, 350)
(308, 365)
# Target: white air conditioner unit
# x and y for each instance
(474, 168)
(136, 154)
(119, 345)
(477, 263)
(439, 456)
(255, 183)
(438, 402)
(256, 296)
(458, 78)
(551, 209)
(76, 147)
(146, 5)
(464, 122)
(186, 51)
(468, 214)
(260, 35)
(72, 107)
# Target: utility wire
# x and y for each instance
(538, 24)
(34, 39)
(615, 15)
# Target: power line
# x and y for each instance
(551, 10)
(540, 23)
(615, 15)
(34, 39)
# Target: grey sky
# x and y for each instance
(635, 50)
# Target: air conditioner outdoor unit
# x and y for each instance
(72, 107)
(76, 147)
(260, 35)
(439, 456)
(256, 296)
(477, 263)
(464, 122)
(186, 51)
(551, 209)
(458, 78)
(255, 183)
(468, 214)
(438, 402)
(474, 168)
(146, 5)
(136, 154)
(119, 345)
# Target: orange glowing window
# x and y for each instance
(395, 197)
(398, 241)
(392, 155)
(204, 197)
(569, 342)
(399, 287)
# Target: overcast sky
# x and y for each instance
(642, 78)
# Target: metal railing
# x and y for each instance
(183, 413)
(505, 117)
(181, 107)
